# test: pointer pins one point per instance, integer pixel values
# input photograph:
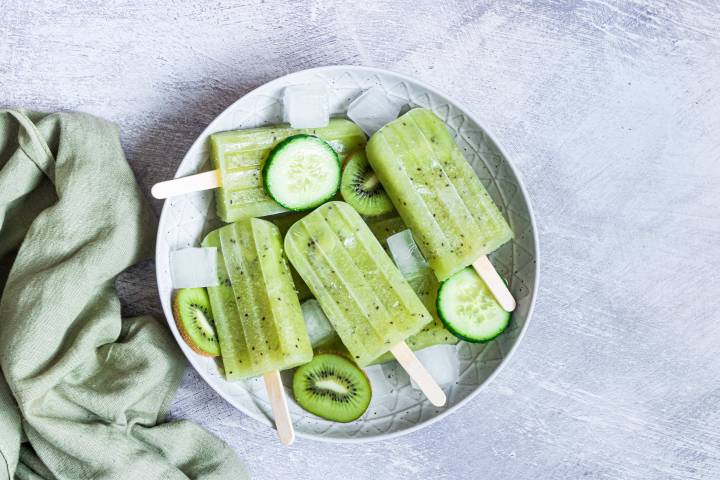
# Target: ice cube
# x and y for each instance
(406, 254)
(318, 326)
(373, 109)
(441, 361)
(306, 106)
(194, 267)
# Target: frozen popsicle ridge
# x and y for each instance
(228, 323)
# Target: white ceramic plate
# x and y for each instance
(396, 408)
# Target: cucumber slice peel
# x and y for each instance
(468, 309)
(302, 172)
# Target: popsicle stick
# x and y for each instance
(192, 183)
(495, 284)
(276, 394)
(407, 359)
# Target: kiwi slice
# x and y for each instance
(193, 316)
(332, 387)
(361, 188)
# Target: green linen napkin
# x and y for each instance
(83, 390)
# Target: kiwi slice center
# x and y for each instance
(331, 386)
(331, 383)
(371, 181)
(200, 314)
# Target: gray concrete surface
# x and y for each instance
(609, 110)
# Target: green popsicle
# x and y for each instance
(258, 317)
(368, 302)
(239, 155)
(436, 192)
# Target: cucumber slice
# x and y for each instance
(468, 309)
(302, 172)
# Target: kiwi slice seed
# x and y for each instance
(193, 316)
(332, 387)
(361, 188)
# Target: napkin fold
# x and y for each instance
(83, 391)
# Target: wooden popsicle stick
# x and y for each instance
(407, 359)
(495, 283)
(276, 394)
(192, 183)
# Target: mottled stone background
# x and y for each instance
(609, 110)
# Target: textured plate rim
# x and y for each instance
(531, 307)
